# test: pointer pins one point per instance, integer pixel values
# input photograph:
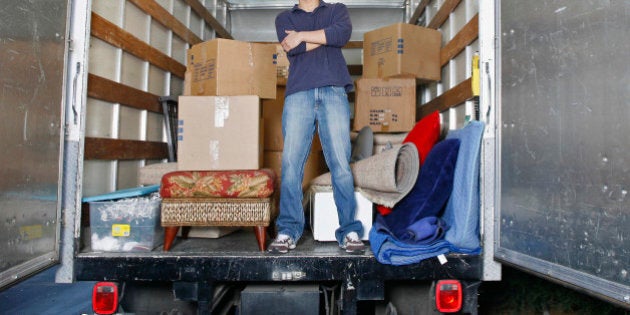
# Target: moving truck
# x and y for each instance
(83, 84)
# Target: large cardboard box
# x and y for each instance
(224, 67)
(402, 49)
(315, 165)
(272, 114)
(219, 133)
(324, 218)
(385, 105)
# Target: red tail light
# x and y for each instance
(448, 296)
(105, 298)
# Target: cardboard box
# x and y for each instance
(402, 49)
(272, 114)
(282, 65)
(324, 218)
(126, 225)
(224, 67)
(219, 133)
(315, 165)
(385, 105)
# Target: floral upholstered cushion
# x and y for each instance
(218, 184)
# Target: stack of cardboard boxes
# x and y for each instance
(230, 116)
(220, 125)
(220, 122)
(396, 59)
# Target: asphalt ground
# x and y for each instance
(40, 294)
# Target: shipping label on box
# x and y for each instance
(219, 133)
(385, 105)
(402, 50)
(223, 67)
(325, 220)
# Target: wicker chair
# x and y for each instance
(217, 198)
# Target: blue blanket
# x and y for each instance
(391, 251)
(456, 230)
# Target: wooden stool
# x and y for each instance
(217, 198)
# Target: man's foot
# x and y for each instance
(281, 244)
(352, 244)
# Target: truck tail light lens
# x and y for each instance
(448, 296)
(105, 298)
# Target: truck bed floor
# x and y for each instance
(236, 257)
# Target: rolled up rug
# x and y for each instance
(383, 178)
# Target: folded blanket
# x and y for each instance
(384, 178)
(391, 251)
(425, 230)
(388, 250)
(421, 232)
(462, 209)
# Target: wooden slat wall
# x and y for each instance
(116, 36)
(206, 16)
(418, 12)
(448, 99)
(158, 13)
(468, 34)
(120, 149)
(114, 92)
(442, 15)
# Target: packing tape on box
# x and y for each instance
(250, 59)
(250, 55)
(221, 111)
(214, 153)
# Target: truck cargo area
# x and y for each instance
(96, 92)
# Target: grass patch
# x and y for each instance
(522, 293)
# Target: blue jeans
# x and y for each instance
(327, 108)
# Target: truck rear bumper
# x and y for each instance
(236, 258)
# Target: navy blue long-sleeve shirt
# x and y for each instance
(324, 65)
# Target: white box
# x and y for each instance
(324, 219)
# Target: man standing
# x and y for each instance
(313, 33)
